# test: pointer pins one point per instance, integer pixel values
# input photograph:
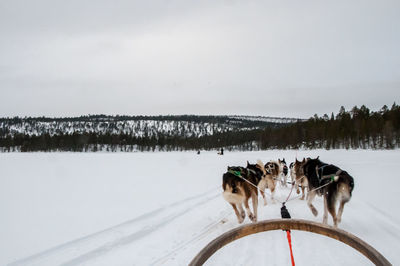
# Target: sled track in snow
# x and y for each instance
(84, 249)
(199, 236)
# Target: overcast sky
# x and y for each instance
(272, 58)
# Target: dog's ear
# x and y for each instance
(284, 160)
(318, 157)
(248, 164)
(304, 159)
(279, 160)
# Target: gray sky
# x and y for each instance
(272, 58)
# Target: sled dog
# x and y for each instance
(298, 177)
(270, 180)
(338, 187)
(239, 185)
(283, 171)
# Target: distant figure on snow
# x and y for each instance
(221, 152)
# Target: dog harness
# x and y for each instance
(239, 173)
(332, 177)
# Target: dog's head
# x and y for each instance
(282, 161)
(310, 165)
(298, 166)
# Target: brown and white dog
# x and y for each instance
(239, 185)
(269, 181)
(298, 177)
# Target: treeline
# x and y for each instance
(357, 128)
(78, 142)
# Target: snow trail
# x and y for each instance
(89, 247)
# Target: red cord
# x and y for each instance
(290, 246)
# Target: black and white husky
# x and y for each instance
(283, 171)
(337, 187)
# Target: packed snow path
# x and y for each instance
(175, 207)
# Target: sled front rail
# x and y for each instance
(290, 224)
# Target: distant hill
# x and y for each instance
(137, 126)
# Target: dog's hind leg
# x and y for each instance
(306, 188)
(331, 198)
(304, 183)
(261, 186)
(303, 194)
(325, 217)
(254, 198)
(241, 210)
(296, 184)
(344, 197)
(283, 180)
(332, 210)
(311, 196)
(249, 213)
(340, 211)
(264, 198)
(271, 186)
(239, 217)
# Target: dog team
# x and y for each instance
(318, 178)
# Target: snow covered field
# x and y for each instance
(162, 208)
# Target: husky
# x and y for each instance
(269, 181)
(239, 185)
(298, 177)
(283, 171)
(338, 187)
(292, 173)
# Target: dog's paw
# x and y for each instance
(298, 191)
(253, 218)
(314, 211)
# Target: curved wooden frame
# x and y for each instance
(289, 224)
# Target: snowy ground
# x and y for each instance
(162, 208)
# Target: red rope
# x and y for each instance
(290, 246)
